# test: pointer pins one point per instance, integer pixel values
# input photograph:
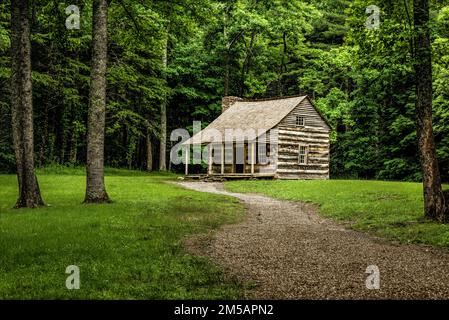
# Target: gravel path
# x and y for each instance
(289, 252)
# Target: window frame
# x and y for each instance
(305, 154)
(298, 122)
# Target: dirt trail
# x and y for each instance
(289, 252)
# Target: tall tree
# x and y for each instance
(163, 142)
(95, 189)
(149, 153)
(435, 207)
(22, 105)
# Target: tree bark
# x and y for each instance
(73, 147)
(435, 207)
(44, 140)
(163, 142)
(226, 77)
(149, 153)
(22, 106)
(227, 57)
(95, 187)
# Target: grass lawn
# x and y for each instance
(391, 209)
(129, 249)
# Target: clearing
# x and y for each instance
(129, 249)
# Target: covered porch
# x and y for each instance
(232, 176)
(232, 160)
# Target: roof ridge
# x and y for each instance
(271, 99)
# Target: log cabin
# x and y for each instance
(280, 138)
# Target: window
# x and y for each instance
(303, 150)
(300, 121)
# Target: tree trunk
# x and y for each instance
(22, 106)
(73, 148)
(44, 140)
(434, 201)
(226, 77)
(163, 142)
(95, 188)
(169, 161)
(227, 57)
(283, 66)
(149, 154)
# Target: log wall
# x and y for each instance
(314, 135)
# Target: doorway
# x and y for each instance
(239, 155)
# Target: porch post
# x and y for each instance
(187, 158)
(222, 157)
(209, 170)
(234, 157)
(252, 157)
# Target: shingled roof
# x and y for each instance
(260, 115)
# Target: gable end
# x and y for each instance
(312, 116)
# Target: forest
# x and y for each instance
(170, 62)
(93, 94)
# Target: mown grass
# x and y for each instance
(391, 209)
(129, 249)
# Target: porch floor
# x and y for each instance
(233, 176)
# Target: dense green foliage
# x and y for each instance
(361, 79)
(129, 249)
(390, 209)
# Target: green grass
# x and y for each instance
(129, 249)
(390, 209)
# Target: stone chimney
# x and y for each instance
(227, 102)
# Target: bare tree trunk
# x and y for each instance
(16, 44)
(227, 58)
(73, 147)
(169, 160)
(149, 153)
(95, 188)
(44, 140)
(163, 142)
(22, 106)
(434, 202)
(226, 77)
